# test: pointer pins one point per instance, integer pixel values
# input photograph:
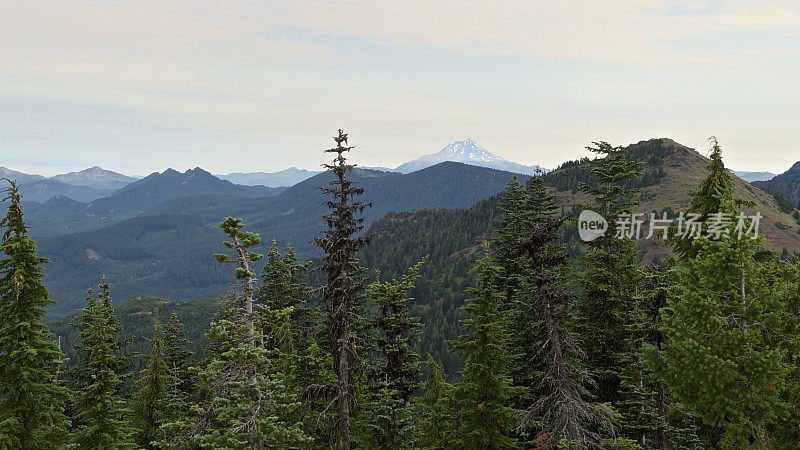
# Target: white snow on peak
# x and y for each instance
(468, 152)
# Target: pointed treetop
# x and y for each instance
(341, 138)
(13, 218)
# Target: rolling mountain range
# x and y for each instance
(467, 152)
(43, 190)
(155, 235)
(166, 250)
(61, 214)
(147, 255)
(84, 186)
(94, 183)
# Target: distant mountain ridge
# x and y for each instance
(144, 252)
(95, 177)
(155, 188)
(132, 200)
(45, 189)
(786, 185)
(467, 152)
(754, 176)
(19, 177)
(281, 178)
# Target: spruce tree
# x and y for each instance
(101, 419)
(150, 404)
(607, 306)
(516, 222)
(435, 408)
(249, 405)
(285, 316)
(290, 326)
(706, 201)
(32, 401)
(178, 358)
(240, 242)
(564, 407)
(786, 274)
(399, 333)
(722, 358)
(178, 417)
(339, 295)
(388, 415)
(484, 419)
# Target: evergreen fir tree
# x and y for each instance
(645, 405)
(786, 275)
(251, 407)
(516, 222)
(435, 408)
(399, 333)
(178, 417)
(388, 416)
(285, 316)
(32, 401)
(339, 295)
(607, 307)
(706, 201)
(249, 404)
(290, 327)
(484, 418)
(721, 359)
(100, 415)
(240, 242)
(150, 405)
(177, 357)
(564, 407)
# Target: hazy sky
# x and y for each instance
(260, 86)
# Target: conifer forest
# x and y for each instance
(554, 344)
(399, 225)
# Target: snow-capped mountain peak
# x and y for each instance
(467, 152)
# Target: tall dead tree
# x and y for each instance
(340, 293)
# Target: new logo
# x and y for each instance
(591, 225)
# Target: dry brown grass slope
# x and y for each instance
(683, 171)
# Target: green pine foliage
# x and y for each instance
(291, 332)
(435, 407)
(32, 400)
(562, 409)
(151, 402)
(247, 404)
(250, 405)
(101, 418)
(484, 418)
(177, 418)
(387, 419)
(607, 308)
(721, 359)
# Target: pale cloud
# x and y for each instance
(531, 80)
(621, 31)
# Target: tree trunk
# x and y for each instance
(344, 394)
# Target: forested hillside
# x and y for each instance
(786, 185)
